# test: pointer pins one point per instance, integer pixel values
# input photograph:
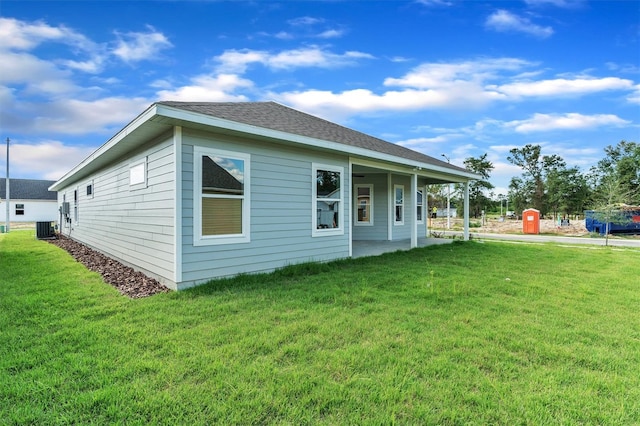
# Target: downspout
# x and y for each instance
(351, 198)
(466, 211)
(414, 208)
(7, 195)
(426, 214)
(177, 205)
(391, 209)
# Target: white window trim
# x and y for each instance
(355, 203)
(420, 189)
(401, 221)
(198, 238)
(138, 180)
(315, 232)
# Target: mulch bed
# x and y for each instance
(124, 278)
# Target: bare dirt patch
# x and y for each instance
(125, 279)
(575, 228)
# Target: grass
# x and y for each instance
(466, 333)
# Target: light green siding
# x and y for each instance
(281, 215)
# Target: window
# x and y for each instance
(221, 197)
(420, 206)
(364, 204)
(138, 174)
(398, 191)
(19, 209)
(90, 190)
(327, 200)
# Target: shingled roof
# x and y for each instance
(274, 116)
(28, 189)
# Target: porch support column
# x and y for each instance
(466, 211)
(414, 211)
(426, 212)
(391, 204)
(352, 200)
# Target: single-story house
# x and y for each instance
(29, 200)
(191, 191)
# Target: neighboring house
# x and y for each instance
(191, 191)
(29, 200)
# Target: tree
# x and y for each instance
(566, 190)
(519, 192)
(477, 197)
(616, 179)
(575, 191)
(528, 159)
(610, 202)
(537, 168)
(622, 164)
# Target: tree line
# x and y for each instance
(549, 185)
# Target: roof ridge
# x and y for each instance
(256, 113)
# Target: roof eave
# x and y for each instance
(196, 117)
(135, 124)
(179, 116)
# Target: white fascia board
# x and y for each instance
(195, 117)
(127, 130)
(419, 169)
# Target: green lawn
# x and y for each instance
(466, 333)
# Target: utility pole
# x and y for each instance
(7, 196)
(448, 198)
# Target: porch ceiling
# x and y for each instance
(431, 177)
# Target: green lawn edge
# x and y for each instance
(465, 333)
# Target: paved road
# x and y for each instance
(626, 242)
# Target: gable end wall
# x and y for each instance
(135, 226)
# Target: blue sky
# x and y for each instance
(460, 78)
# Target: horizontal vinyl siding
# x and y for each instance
(34, 210)
(403, 232)
(135, 226)
(377, 231)
(281, 212)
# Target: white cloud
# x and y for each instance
(331, 34)
(310, 28)
(634, 97)
(557, 3)
(237, 61)
(428, 86)
(337, 106)
(139, 46)
(51, 159)
(283, 35)
(562, 86)
(465, 84)
(418, 143)
(435, 75)
(305, 21)
(505, 21)
(502, 149)
(209, 89)
(20, 35)
(73, 116)
(19, 68)
(435, 2)
(569, 121)
(399, 59)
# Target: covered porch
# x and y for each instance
(376, 248)
(389, 209)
